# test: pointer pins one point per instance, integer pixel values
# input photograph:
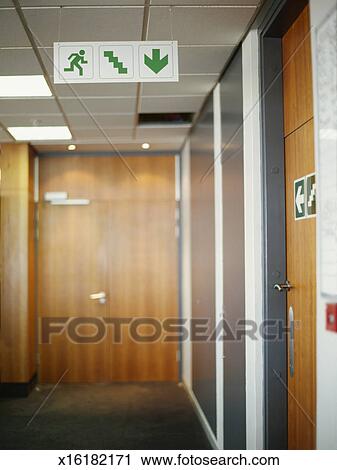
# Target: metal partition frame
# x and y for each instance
(233, 259)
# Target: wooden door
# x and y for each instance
(300, 237)
(123, 243)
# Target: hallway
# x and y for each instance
(119, 416)
(168, 221)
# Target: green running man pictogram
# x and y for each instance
(76, 60)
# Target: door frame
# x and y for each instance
(281, 14)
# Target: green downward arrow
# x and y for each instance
(156, 64)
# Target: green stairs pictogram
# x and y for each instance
(114, 60)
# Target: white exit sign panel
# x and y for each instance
(116, 62)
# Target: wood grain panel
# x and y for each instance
(32, 262)
(301, 234)
(17, 264)
(301, 271)
(123, 243)
(297, 74)
(72, 265)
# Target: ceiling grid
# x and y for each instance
(102, 115)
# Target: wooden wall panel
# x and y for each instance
(17, 264)
(301, 234)
(297, 74)
(301, 271)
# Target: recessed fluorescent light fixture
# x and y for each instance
(14, 86)
(40, 133)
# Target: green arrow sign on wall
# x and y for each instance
(299, 198)
(156, 64)
(305, 197)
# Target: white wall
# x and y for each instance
(253, 238)
(219, 351)
(326, 341)
(186, 292)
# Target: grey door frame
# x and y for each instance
(277, 18)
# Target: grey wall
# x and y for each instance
(203, 261)
(233, 253)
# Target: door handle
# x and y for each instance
(100, 296)
(291, 342)
(286, 286)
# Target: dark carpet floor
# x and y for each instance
(118, 416)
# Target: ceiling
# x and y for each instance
(102, 116)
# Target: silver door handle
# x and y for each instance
(281, 287)
(100, 296)
(291, 342)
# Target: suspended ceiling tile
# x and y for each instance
(100, 141)
(28, 106)
(91, 137)
(97, 89)
(19, 62)
(161, 133)
(96, 133)
(106, 121)
(178, 140)
(4, 137)
(32, 120)
(97, 106)
(11, 31)
(52, 3)
(205, 2)
(171, 104)
(223, 26)
(203, 59)
(91, 24)
(61, 143)
(187, 85)
(46, 54)
(107, 148)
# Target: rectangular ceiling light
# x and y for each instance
(16, 86)
(40, 133)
